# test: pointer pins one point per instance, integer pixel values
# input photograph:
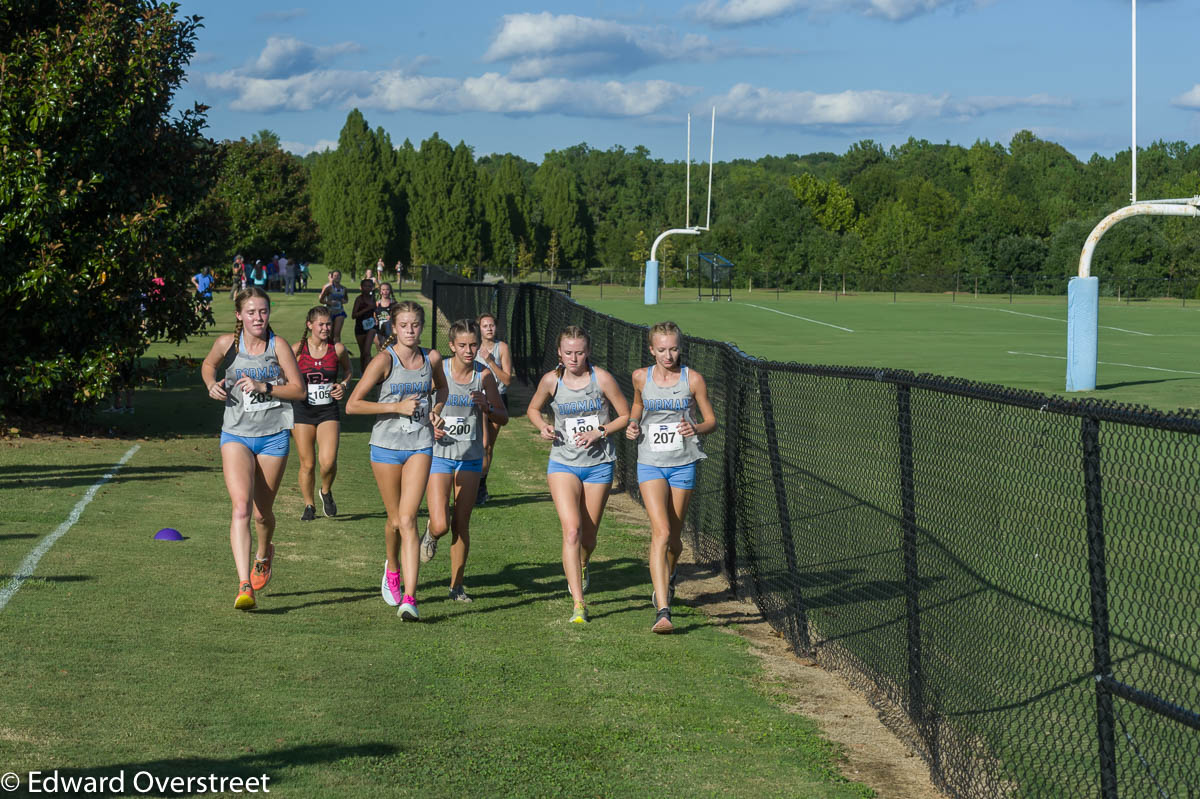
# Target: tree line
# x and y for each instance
(873, 214)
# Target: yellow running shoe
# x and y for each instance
(579, 616)
(245, 597)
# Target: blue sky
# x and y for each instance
(786, 76)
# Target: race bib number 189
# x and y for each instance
(581, 424)
(665, 437)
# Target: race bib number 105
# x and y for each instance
(320, 393)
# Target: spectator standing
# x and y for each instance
(288, 269)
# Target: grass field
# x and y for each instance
(125, 654)
(1148, 350)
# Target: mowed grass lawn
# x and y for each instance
(125, 653)
(1148, 350)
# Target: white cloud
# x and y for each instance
(302, 149)
(538, 45)
(394, 90)
(1189, 99)
(745, 12)
(871, 108)
(283, 56)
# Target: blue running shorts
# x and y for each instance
(277, 445)
(676, 476)
(397, 457)
(600, 473)
(450, 466)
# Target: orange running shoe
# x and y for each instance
(245, 597)
(260, 575)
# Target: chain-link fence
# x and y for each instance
(1012, 578)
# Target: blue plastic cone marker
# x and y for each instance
(168, 534)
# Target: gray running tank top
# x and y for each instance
(580, 409)
(336, 299)
(496, 350)
(660, 443)
(254, 415)
(464, 429)
(393, 431)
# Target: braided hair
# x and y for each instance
(239, 301)
(314, 313)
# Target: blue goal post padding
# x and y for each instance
(651, 283)
(1083, 332)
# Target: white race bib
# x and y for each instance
(253, 402)
(581, 424)
(320, 393)
(420, 417)
(460, 428)
(664, 437)
(368, 323)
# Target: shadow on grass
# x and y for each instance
(345, 595)
(511, 500)
(14, 536)
(75, 475)
(252, 764)
(1110, 386)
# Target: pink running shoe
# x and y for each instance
(408, 609)
(391, 586)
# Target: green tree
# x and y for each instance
(562, 209)
(264, 193)
(445, 215)
(355, 203)
(101, 192)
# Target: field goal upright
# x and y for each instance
(720, 272)
(1083, 292)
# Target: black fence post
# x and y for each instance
(1098, 583)
(781, 502)
(433, 315)
(912, 579)
(734, 399)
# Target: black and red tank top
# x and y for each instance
(317, 370)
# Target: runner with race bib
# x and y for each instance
(364, 321)
(401, 444)
(318, 423)
(588, 407)
(663, 422)
(254, 373)
(472, 401)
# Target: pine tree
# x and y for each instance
(355, 203)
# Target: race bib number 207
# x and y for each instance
(665, 437)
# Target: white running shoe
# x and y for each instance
(428, 546)
(391, 588)
(408, 610)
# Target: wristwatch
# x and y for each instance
(603, 432)
(270, 388)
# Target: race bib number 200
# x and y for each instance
(460, 428)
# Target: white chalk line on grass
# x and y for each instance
(1108, 363)
(1049, 318)
(25, 570)
(804, 318)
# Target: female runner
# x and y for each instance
(333, 296)
(364, 321)
(402, 444)
(496, 356)
(317, 419)
(588, 407)
(663, 422)
(383, 315)
(253, 371)
(472, 401)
